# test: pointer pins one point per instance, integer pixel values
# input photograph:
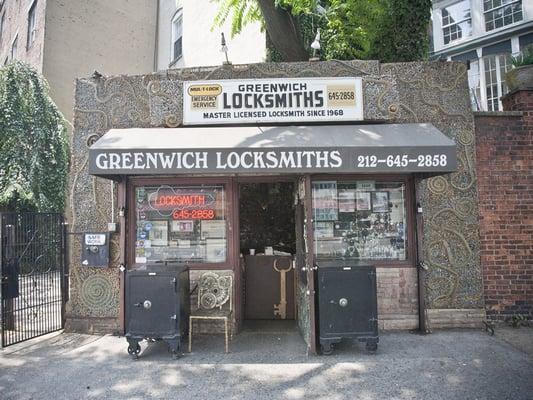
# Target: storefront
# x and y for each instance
(306, 171)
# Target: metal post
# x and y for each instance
(423, 326)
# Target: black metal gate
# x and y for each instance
(34, 275)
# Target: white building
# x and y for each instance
(188, 37)
(484, 33)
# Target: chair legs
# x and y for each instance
(190, 334)
(226, 332)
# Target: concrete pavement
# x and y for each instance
(444, 365)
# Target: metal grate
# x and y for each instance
(34, 275)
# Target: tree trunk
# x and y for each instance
(283, 31)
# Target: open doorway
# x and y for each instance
(268, 245)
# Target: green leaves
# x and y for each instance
(387, 30)
(33, 143)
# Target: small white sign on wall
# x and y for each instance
(94, 239)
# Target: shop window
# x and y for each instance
(363, 220)
(181, 223)
(177, 36)
(500, 13)
(456, 21)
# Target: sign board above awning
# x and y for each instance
(387, 148)
(259, 101)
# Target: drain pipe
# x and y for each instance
(421, 267)
(156, 44)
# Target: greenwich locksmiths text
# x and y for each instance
(199, 160)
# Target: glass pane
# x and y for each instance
(364, 220)
(499, 13)
(456, 21)
(180, 223)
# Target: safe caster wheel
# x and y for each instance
(371, 346)
(134, 351)
(326, 349)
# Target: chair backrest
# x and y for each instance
(215, 290)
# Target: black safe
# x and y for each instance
(95, 249)
(347, 304)
(157, 306)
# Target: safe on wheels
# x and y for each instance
(347, 304)
(157, 306)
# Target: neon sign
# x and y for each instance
(193, 214)
(179, 200)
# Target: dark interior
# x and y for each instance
(266, 212)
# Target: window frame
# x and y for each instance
(31, 33)
(178, 16)
(2, 23)
(496, 8)
(442, 26)
(131, 220)
(500, 80)
(14, 48)
(411, 248)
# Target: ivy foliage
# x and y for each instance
(33, 143)
(386, 30)
(403, 31)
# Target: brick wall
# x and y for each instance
(504, 146)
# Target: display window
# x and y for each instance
(184, 223)
(360, 219)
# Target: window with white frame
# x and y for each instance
(14, 46)
(474, 85)
(456, 21)
(2, 23)
(32, 30)
(499, 13)
(177, 36)
(495, 68)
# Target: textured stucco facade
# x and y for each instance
(401, 93)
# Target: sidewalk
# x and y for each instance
(444, 365)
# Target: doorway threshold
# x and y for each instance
(269, 326)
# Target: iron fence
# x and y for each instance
(34, 275)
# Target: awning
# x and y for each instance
(387, 148)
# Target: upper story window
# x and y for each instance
(456, 21)
(177, 36)
(2, 23)
(14, 46)
(499, 13)
(31, 25)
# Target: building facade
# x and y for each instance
(65, 40)
(483, 33)
(408, 221)
(188, 37)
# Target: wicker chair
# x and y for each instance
(215, 302)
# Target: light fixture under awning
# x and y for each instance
(387, 148)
